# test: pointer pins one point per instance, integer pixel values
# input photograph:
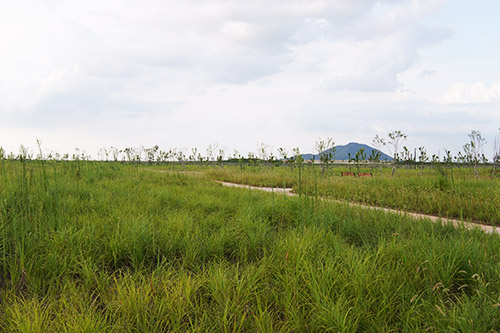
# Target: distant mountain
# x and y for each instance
(342, 152)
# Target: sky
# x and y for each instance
(189, 73)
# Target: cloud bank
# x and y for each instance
(187, 71)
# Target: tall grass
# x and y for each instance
(108, 247)
(453, 193)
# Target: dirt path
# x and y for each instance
(172, 171)
(288, 191)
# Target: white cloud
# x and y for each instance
(427, 72)
(191, 71)
(62, 42)
(472, 93)
(238, 30)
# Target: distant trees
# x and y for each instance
(471, 155)
(326, 151)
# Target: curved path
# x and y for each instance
(288, 191)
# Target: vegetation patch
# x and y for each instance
(94, 246)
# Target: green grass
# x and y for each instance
(452, 193)
(109, 247)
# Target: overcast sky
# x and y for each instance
(188, 73)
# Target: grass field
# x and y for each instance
(89, 246)
(446, 192)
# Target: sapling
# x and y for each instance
(237, 157)
(326, 151)
(138, 154)
(252, 159)
(283, 153)
(374, 156)
(270, 160)
(263, 151)
(115, 152)
(360, 156)
(129, 154)
(42, 169)
(496, 153)
(173, 156)
(166, 156)
(475, 148)
(194, 153)
(395, 140)
(379, 143)
(200, 159)
(405, 155)
(393, 143)
(298, 160)
(2, 160)
(422, 158)
(151, 153)
(106, 152)
(170, 155)
(181, 157)
(468, 155)
(211, 151)
(159, 156)
(447, 158)
(221, 156)
(240, 161)
(101, 155)
(24, 153)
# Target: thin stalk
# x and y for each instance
(272, 191)
(315, 186)
(300, 181)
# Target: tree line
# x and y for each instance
(472, 154)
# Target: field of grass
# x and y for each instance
(452, 193)
(88, 246)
